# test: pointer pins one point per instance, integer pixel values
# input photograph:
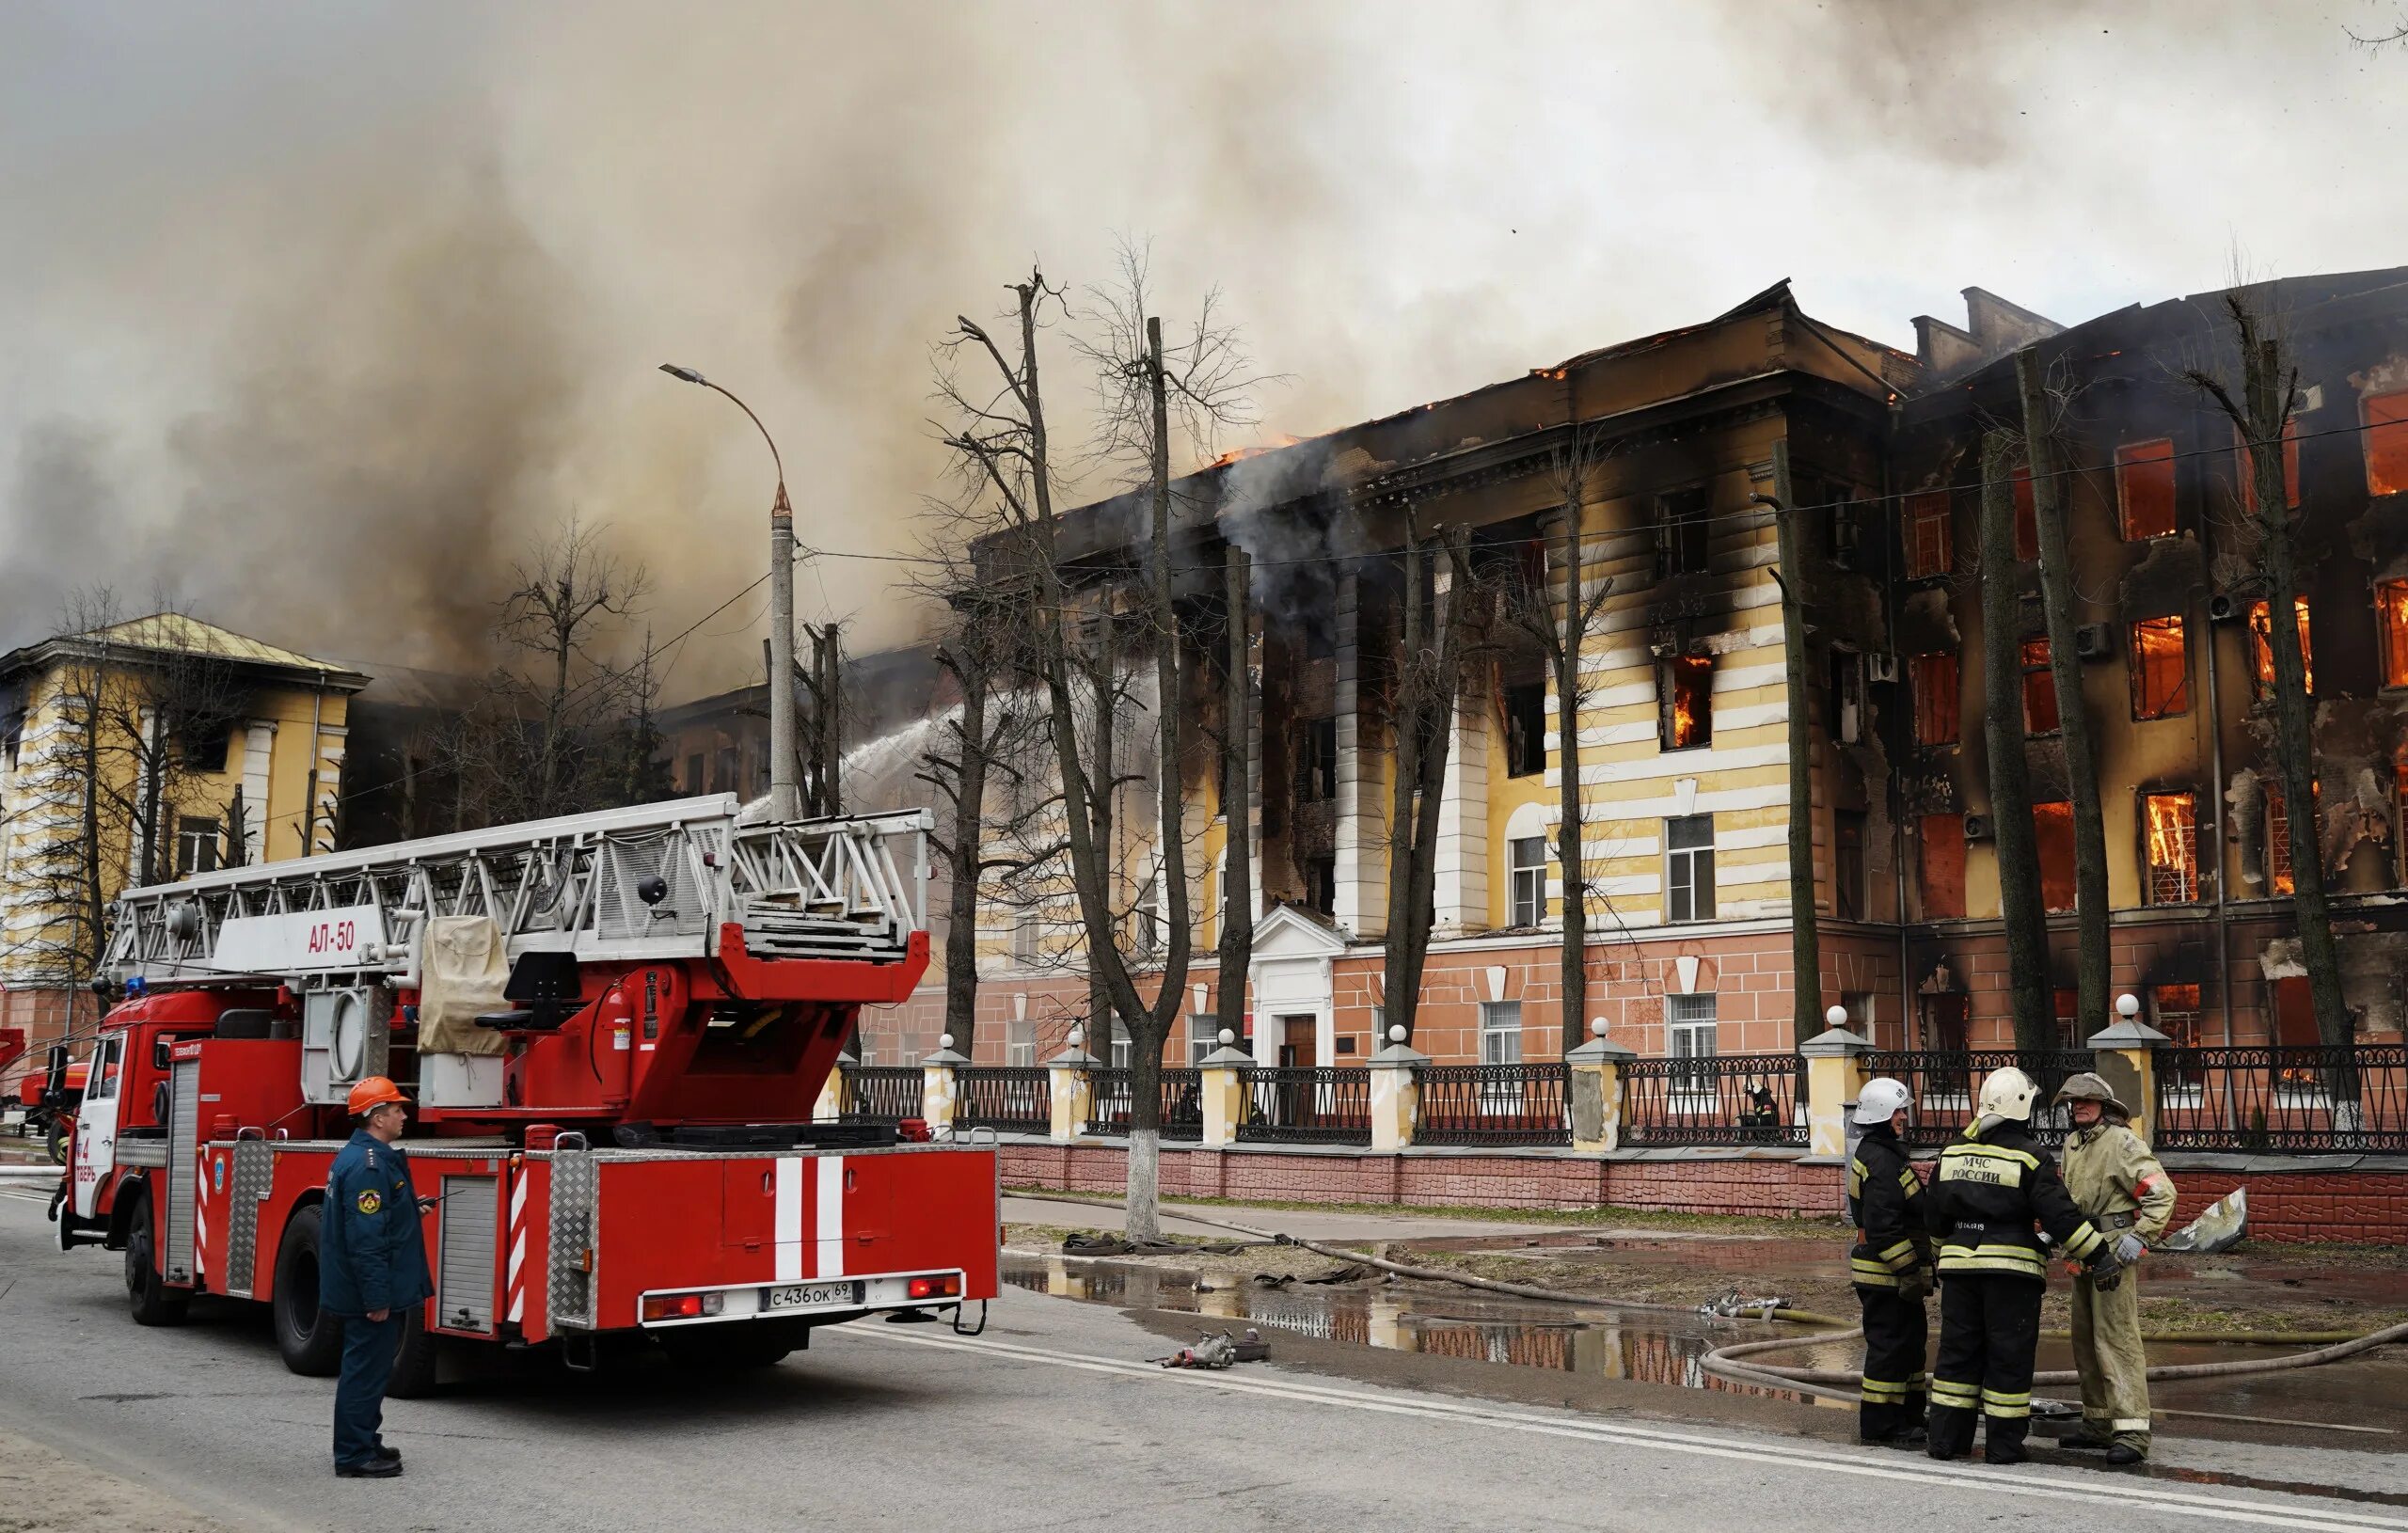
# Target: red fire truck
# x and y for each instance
(618, 1028)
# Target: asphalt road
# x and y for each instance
(1051, 1420)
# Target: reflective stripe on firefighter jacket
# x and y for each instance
(1985, 1198)
(2110, 1173)
(1885, 1205)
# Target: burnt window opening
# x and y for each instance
(2244, 467)
(2170, 844)
(2391, 627)
(2027, 519)
(2039, 690)
(2160, 668)
(1931, 535)
(1527, 857)
(2070, 1032)
(1848, 531)
(2261, 647)
(1941, 844)
(2279, 879)
(1846, 722)
(1848, 892)
(2386, 439)
(1689, 868)
(1682, 533)
(12, 735)
(1316, 761)
(1947, 1022)
(2175, 1011)
(1526, 729)
(2053, 825)
(2144, 488)
(693, 783)
(1938, 705)
(1685, 694)
(1321, 884)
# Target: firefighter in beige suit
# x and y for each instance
(2116, 1180)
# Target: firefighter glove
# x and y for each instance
(2130, 1248)
(2107, 1271)
(1914, 1284)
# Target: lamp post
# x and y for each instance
(784, 795)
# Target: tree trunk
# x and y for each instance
(1571, 848)
(1237, 803)
(1427, 681)
(2073, 719)
(1805, 951)
(961, 903)
(2016, 843)
(1104, 688)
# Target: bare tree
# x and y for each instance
(1805, 941)
(1431, 644)
(1237, 749)
(2016, 841)
(2044, 408)
(1560, 622)
(2261, 410)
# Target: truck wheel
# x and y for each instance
(309, 1338)
(57, 1141)
(146, 1293)
(414, 1369)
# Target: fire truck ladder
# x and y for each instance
(655, 881)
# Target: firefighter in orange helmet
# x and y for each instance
(372, 1270)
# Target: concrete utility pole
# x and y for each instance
(1805, 952)
(785, 802)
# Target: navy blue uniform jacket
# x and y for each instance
(371, 1249)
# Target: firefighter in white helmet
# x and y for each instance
(2117, 1182)
(1993, 1186)
(1891, 1266)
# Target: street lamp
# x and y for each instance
(784, 795)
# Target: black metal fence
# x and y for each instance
(1942, 1085)
(886, 1093)
(1715, 1100)
(1494, 1104)
(1111, 1101)
(2351, 1097)
(1013, 1099)
(1322, 1104)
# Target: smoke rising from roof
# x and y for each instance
(320, 313)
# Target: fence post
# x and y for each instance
(1596, 1097)
(2125, 1056)
(836, 1092)
(1072, 1077)
(1222, 1075)
(1396, 1094)
(940, 1083)
(1833, 1077)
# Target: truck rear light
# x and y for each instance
(683, 1306)
(915, 1131)
(946, 1286)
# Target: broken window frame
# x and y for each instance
(2052, 841)
(1930, 529)
(2391, 631)
(2174, 882)
(198, 840)
(2146, 465)
(1525, 710)
(1526, 880)
(1684, 532)
(1689, 869)
(2148, 704)
(1316, 759)
(1850, 894)
(2386, 419)
(1945, 832)
(1945, 1019)
(1321, 884)
(2261, 647)
(2178, 1010)
(1675, 673)
(1938, 687)
(2245, 467)
(2067, 1004)
(2039, 690)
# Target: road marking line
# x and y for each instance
(2122, 1495)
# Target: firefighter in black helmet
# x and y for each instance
(1891, 1267)
(1992, 1188)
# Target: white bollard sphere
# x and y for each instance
(1078, 1036)
(2127, 1005)
(1596, 1027)
(944, 1040)
(1396, 1034)
(1836, 1017)
(1227, 1037)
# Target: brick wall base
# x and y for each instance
(2285, 1207)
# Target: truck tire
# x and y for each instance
(309, 1338)
(148, 1296)
(414, 1368)
(57, 1140)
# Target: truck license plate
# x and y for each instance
(808, 1295)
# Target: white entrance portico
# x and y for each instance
(1291, 974)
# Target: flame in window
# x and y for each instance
(1689, 720)
(2391, 618)
(2171, 828)
(2261, 645)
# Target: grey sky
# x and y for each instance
(314, 311)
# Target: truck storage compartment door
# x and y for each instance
(183, 1132)
(467, 1231)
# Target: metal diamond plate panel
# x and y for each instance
(575, 1182)
(253, 1171)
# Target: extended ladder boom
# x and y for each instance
(652, 882)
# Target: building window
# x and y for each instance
(2244, 467)
(197, 841)
(1146, 920)
(1937, 706)
(1321, 884)
(1526, 729)
(1947, 1022)
(2391, 622)
(1316, 761)
(1024, 937)
(1942, 841)
(1682, 532)
(2387, 420)
(1529, 854)
(2160, 668)
(2053, 823)
(2261, 647)
(2170, 836)
(2027, 519)
(1203, 1034)
(2175, 1011)
(2278, 837)
(1500, 1033)
(1685, 688)
(1847, 864)
(2144, 488)
(1689, 1034)
(2039, 690)
(693, 783)
(726, 781)
(1931, 538)
(1688, 867)
(1118, 1055)
(2070, 1032)
(1019, 1042)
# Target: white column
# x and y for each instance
(1463, 819)
(1361, 902)
(259, 747)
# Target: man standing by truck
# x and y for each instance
(372, 1270)
(2116, 1182)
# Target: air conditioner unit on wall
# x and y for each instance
(1977, 827)
(2094, 641)
(2223, 608)
(1881, 666)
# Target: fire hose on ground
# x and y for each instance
(1838, 1384)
